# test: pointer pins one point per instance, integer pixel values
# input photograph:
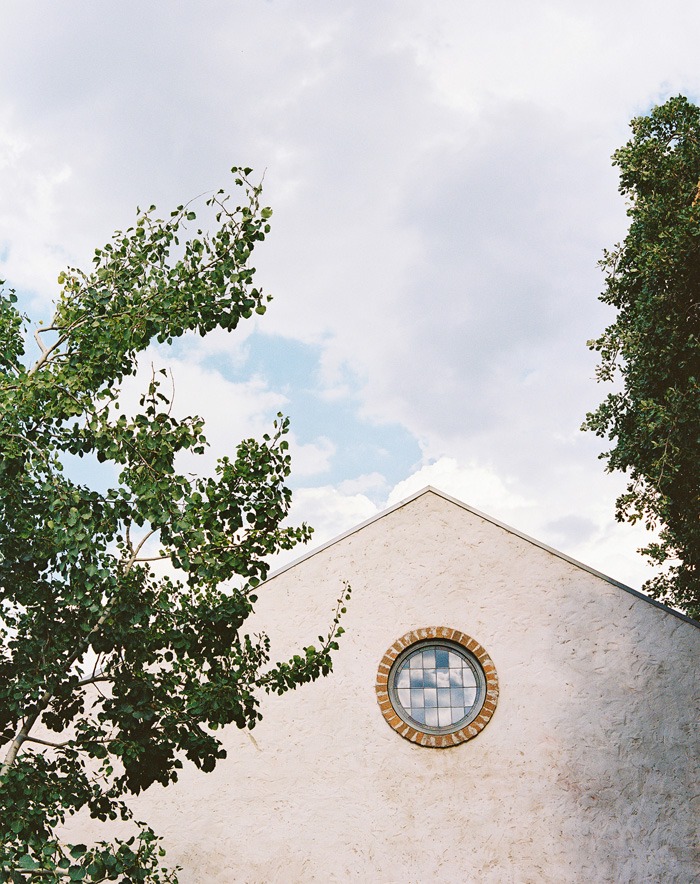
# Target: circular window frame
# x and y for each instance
(437, 737)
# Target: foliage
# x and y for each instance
(653, 347)
(114, 670)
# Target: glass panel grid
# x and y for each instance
(436, 687)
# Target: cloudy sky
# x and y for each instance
(442, 192)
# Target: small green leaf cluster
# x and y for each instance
(134, 859)
(315, 662)
(653, 346)
(113, 672)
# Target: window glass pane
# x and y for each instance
(416, 678)
(430, 695)
(468, 677)
(431, 717)
(442, 658)
(418, 715)
(437, 687)
(402, 679)
(457, 697)
(417, 698)
(444, 717)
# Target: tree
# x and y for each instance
(112, 672)
(653, 347)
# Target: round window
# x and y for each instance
(437, 687)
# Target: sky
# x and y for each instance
(442, 191)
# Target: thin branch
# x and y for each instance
(41, 344)
(664, 456)
(97, 687)
(46, 742)
(92, 679)
(49, 350)
(94, 668)
(172, 387)
(22, 735)
(134, 556)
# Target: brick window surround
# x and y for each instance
(415, 734)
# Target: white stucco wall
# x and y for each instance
(587, 771)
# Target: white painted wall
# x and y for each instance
(585, 773)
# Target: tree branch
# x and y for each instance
(41, 344)
(22, 736)
(46, 742)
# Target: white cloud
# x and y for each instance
(366, 482)
(442, 193)
(586, 533)
(329, 511)
(31, 253)
(311, 458)
(478, 486)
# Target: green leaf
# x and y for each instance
(81, 597)
(26, 862)
(651, 350)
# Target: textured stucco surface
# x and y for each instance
(586, 772)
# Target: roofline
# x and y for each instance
(499, 524)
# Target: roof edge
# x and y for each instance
(429, 489)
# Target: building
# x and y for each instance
(498, 713)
